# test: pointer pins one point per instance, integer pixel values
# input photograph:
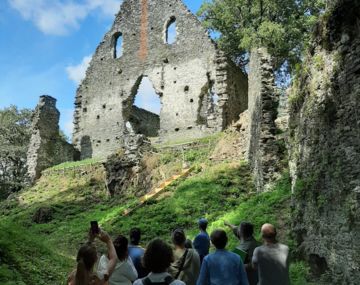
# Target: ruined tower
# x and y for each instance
(47, 147)
(201, 91)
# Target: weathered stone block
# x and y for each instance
(47, 148)
(262, 150)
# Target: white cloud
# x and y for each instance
(59, 17)
(77, 73)
(108, 7)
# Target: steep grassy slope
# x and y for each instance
(44, 253)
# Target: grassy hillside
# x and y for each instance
(34, 253)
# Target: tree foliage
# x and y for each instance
(14, 140)
(283, 26)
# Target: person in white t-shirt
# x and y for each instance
(124, 272)
(157, 259)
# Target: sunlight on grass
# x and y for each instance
(218, 192)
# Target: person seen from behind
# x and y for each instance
(86, 259)
(157, 259)
(136, 252)
(124, 272)
(186, 266)
(271, 259)
(222, 267)
(188, 243)
(202, 240)
(245, 233)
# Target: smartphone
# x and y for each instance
(95, 230)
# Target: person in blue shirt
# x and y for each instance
(136, 252)
(202, 241)
(222, 267)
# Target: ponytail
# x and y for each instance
(82, 276)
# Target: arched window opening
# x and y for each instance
(118, 45)
(170, 33)
(145, 113)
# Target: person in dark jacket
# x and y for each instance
(202, 240)
(245, 233)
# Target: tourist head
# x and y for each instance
(121, 247)
(86, 259)
(188, 244)
(135, 236)
(203, 223)
(158, 256)
(246, 230)
(268, 233)
(219, 239)
(178, 237)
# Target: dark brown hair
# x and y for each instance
(135, 236)
(158, 256)
(178, 237)
(86, 259)
(121, 247)
(219, 239)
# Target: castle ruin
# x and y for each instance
(201, 91)
(47, 147)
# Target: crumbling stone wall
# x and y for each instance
(325, 147)
(144, 122)
(47, 148)
(263, 100)
(200, 91)
(126, 170)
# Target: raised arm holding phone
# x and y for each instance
(87, 257)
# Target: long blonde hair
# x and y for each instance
(86, 259)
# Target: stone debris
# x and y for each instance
(125, 170)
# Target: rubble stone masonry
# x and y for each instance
(201, 91)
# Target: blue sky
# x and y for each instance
(45, 46)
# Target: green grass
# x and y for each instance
(205, 140)
(71, 164)
(44, 253)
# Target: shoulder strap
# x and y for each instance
(183, 259)
(168, 280)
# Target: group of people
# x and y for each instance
(187, 262)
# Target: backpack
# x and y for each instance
(168, 280)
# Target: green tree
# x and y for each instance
(14, 140)
(283, 26)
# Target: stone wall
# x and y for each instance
(325, 147)
(144, 122)
(126, 170)
(200, 91)
(46, 147)
(263, 100)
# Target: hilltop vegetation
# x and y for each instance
(43, 253)
(14, 139)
